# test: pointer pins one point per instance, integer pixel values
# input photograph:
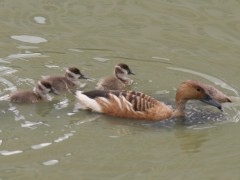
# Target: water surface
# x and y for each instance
(164, 43)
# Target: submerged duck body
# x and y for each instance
(67, 82)
(39, 93)
(119, 81)
(136, 105)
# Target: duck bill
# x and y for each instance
(54, 91)
(83, 77)
(130, 72)
(209, 100)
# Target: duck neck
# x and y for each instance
(122, 77)
(71, 79)
(180, 108)
(180, 103)
(40, 94)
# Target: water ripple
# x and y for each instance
(40, 146)
(40, 19)
(8, 153)
(66, 136)
(29, 39)
(50, 162)
(31, 125)
(22, 56)
(208, 77)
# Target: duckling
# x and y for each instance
(216, 94)
(118, 81)
(136, 105)
(39, 93)
(67, 82)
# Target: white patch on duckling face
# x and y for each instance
(121, 73)
(72, 76)
(43, 91)
(40, 89)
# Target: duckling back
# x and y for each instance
(68, 82)
(119, 81)
(39, 93)
(61, 84)
(24, 97)
(110, 83)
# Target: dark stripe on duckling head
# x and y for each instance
(74, 70)
(125, 66)
(46, 84)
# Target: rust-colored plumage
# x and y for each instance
(136, 105)
(130, 104)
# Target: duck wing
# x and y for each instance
(127, 104)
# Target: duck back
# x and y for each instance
(110, 83)
(61, 84)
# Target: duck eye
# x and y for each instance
(198, 89)
(70, 75)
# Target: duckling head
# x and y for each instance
(44, 87)
(122, 70)
(73, 74)
(192, 90)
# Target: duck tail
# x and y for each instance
(85, 102)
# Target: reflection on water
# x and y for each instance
(166, 42)
(191, 141)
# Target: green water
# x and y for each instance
(164, 43)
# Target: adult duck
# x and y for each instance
(136, 105)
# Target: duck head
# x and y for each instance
(44, 87)
(73, 74)
(122, 70)
(192, 90)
